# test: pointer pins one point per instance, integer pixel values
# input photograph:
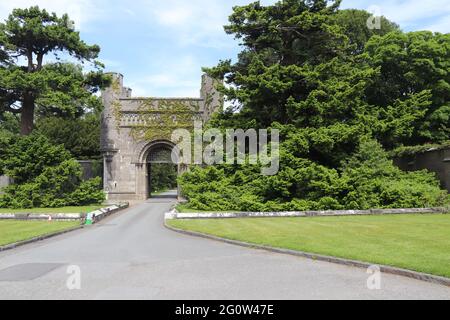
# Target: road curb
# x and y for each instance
(317, 257)
(37, 239)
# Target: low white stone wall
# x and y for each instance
(103, 213)
(97, 215)
(331, 213)
(33, 216)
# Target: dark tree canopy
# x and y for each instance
(29, 36)
(81, 136)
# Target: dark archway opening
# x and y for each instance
(162, 172)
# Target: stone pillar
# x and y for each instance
(212, 99)
(111, 103)
(109, 129)
(142, 182)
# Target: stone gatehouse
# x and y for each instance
(136, 132)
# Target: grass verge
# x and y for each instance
(415, 242)
(12, 231)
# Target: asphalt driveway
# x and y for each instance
(132, 256)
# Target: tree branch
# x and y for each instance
(30, 60)
(40, 58)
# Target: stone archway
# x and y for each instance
(131, 129)
(156, 153)
(162, 171)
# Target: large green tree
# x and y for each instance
(311, 65)
(28, 84)
(305, 68)
(81, 136)
(282, 46)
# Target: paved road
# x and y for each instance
(132, 256)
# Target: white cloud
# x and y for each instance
(200, 22)
(130, 12)
(442, 25)
(168, 80)
(179, 78)
(81, 12)
(172, 86)
(197, 22)
(194, 21)
(174, 16)
(408, 13)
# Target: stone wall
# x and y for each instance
(4, 182)
(91, 169)
(437, 161)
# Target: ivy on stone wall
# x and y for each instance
(157, 119)
(117, 112)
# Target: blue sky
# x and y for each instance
(161, 45)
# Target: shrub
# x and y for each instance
(25, 158)
(368, 179)
(373, 181)
(89, 192)
(45, 176)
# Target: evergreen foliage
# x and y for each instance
(44, 175)
(341, 96)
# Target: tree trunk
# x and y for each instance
(27, 117)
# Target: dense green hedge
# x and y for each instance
(367, 180)
(44, 175)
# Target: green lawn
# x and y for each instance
(12, 231)
(415, 242)
(83, 209)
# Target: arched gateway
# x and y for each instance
(136, 133)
